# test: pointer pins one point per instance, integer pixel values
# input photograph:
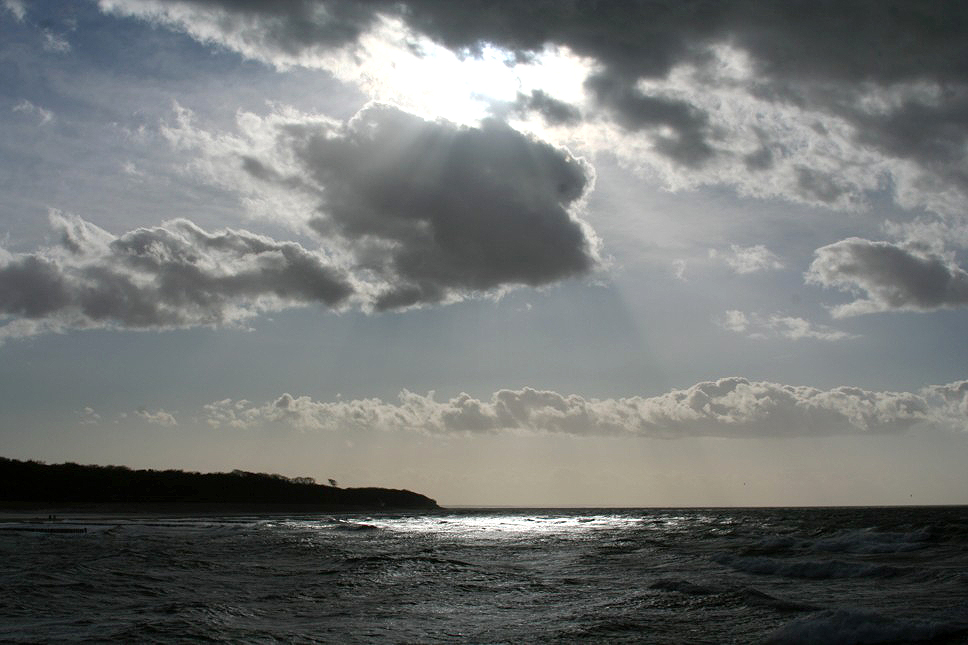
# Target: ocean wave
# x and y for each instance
(870, 541)
(304, 579)
(747, 596)
(346, 525)
(866, 541)
(406, 560)
(352, 526)
(844, 627)
(755, 598)
(607, 630)
(810, 569)
(683, 586)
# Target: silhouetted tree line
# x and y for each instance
(34, 481)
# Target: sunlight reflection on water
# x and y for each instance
(500, 525)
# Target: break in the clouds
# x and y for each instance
(889, 276)
(748, 259)
(729, 407)
(175, 275)
(759, 326)
(820, 104)
(426, 211)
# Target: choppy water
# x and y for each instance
(884, 575)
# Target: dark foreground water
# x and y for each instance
(869, 575)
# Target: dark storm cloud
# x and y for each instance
(929, 130)
(634, 110)
(552, 110)
(762, 159)
(174, 275)
(795, 46)
(817, 185)
(32, 287)
(416, 211)
(823, 55)
(189, 265)
(435, 209)
(892, 276)
(866, 40)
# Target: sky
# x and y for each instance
(501, 253)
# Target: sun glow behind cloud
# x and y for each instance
(392, 64)
(425, 78)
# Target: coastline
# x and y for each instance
(39, 511)
(50, 489)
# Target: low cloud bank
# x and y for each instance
(729, 407)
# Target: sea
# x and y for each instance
(763, 575)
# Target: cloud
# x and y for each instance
(55, 42)
(233, 414)
(734, 320)
(776, 325)
(888, 277)
(933, 235)
(89, 416)
(749, 259)
(679, 270)
(17, 8)
(554, 111)
(157, 417)
(175, 275)
(929, 130)
(954, 397)
(819, 105)
(729, 407)
(680, 129)
(293, 32)
(27, 107)
(425, 211)
(451, 208)
(409, 212)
